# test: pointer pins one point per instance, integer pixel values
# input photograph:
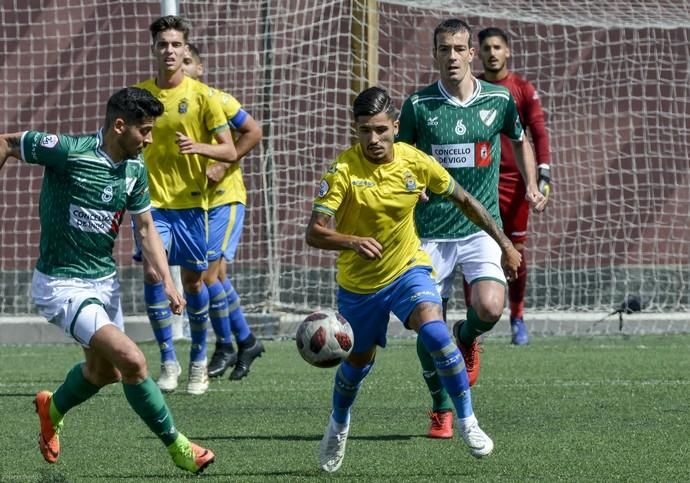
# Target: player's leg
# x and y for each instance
(112, 355)
(198, 301)
(515, 214)
(158, 308)
(66, 304)
(189, 250)
(423, 314)
(441, 414)
(248, 346)
(480, 258)
(368, 316)
(224, 355)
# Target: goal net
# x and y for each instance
(612, 76)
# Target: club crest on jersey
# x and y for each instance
(107, 195)
(487, 116)
(183, 106)
(410, 182)
(49, 141)
(460, 128)
(323, 189)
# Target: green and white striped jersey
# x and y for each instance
(465, 138)
(83, 200)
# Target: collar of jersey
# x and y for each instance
(454, 100)
(99, 137)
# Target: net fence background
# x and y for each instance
(613, 80)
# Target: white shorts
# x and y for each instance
(478, 256)
(61, 301)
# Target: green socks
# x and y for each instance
(474, 327)
(147, 401)
(74, 391)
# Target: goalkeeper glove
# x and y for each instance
(544, 181)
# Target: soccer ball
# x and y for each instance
(324, 338)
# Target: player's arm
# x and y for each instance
(524, 158)
(535, 121)
(152, 248)
(478, 215)
(223, 151)
(320, 235)
(249, 137)
(250, 134)
(10, 146)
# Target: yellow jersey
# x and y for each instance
(231, 188)
(178, 181)
(378, 201)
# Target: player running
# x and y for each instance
(88, 184)
(458, 120)
(371, 190)
(494, 52)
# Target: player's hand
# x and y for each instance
(544, 182)
(536, 200)
(216, 171)
(423, 197)
(367, 248)
(177, 302)
(511, 260)
(186, 144)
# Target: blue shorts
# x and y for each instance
(184, 237)
(368, 314)
(225, 224)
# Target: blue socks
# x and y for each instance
(238, 323)
(218, 313)
(449, 365)
(160, 317)
(197, 310)
(348, 380)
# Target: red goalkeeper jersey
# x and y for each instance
(532, 118)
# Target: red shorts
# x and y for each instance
(514, 210)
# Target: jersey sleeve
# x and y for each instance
(439, 181)
(407, 131)
(138, 196)
(49, 150)
(233, 110)
(533, 116)
(511, 121)
(214, 116)
(332, 190)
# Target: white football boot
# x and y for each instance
(197, 383)
(477, 441)
(332, 446)
(170, 372)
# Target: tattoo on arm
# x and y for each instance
(14, 143)
(10, 145)
(478, 214)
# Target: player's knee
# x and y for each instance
(192, 282)
(133, 365)
(489, 312)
